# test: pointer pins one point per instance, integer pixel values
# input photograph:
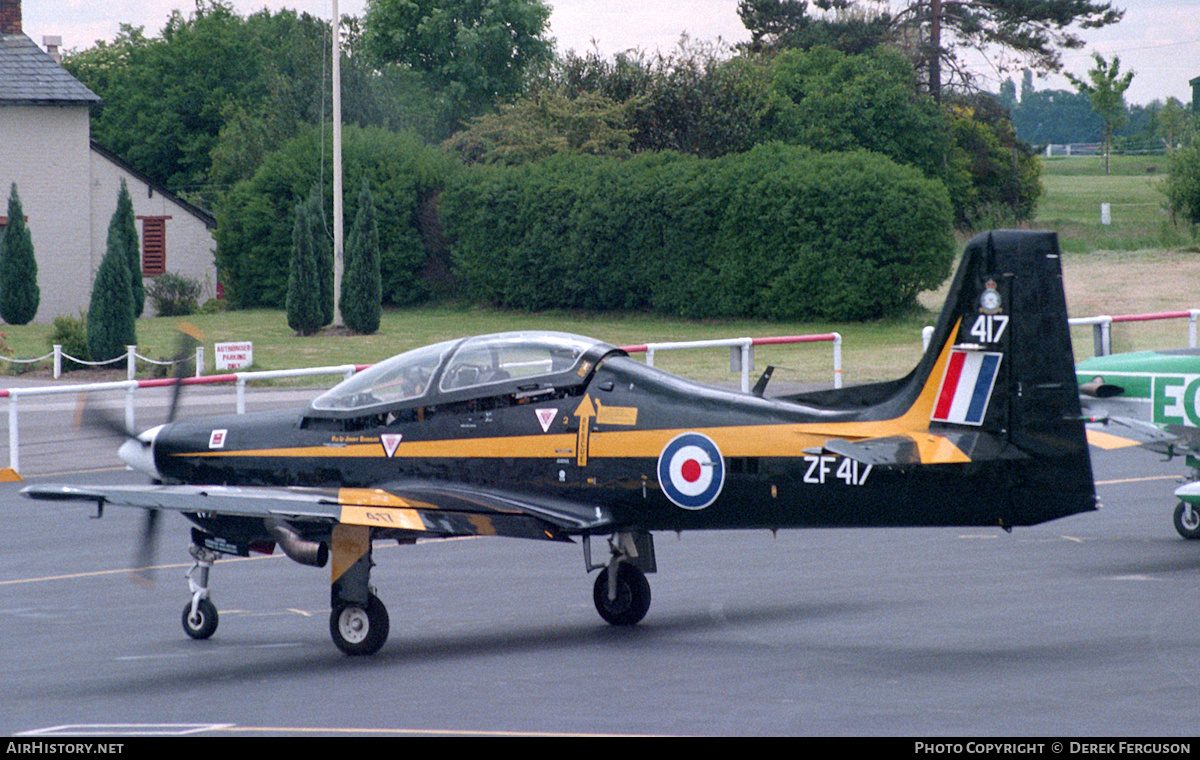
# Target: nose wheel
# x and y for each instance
(1187, 520)
(200, 622)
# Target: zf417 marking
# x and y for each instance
(827, 469)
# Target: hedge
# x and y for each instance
(779, 232)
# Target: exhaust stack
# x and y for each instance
(312, 553)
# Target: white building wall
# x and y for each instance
(190, 245)
(45, 150)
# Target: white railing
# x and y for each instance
(1102, 327)
(14, 395)
(741, 351)
(130, 358)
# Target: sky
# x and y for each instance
(1158, 39)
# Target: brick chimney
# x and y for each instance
(10, 17)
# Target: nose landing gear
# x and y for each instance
(200, 614)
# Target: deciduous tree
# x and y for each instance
(474, 51)
(1106, 88)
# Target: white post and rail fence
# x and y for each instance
(741, 361)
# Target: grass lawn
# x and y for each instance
(1075, 188)
(1137, 264)
(870, 352)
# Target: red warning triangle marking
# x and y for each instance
(390, 442)
(546, 417)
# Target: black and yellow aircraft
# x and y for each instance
(553, 436)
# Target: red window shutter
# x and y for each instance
(154, 245)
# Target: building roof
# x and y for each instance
(28, 75)
(207, 218)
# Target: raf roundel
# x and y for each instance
(691, 470)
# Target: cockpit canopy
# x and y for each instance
(465, 368)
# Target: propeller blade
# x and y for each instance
(89, 416)
(189, 338)
(143, 572)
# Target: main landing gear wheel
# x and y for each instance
(626, 603)
(359, 630)
(203, 623)
(1187, 521)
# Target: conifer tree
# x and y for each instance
(123, 225)
(322, 255)
(361, 296)
(111, 325)
(304, 313)
(19, 294)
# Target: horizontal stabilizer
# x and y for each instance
(947, 447)
(1122, 432)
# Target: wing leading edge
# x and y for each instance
(429, 509)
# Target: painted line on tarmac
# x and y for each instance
(126, 570)
(1137, 480)
(125, 729)
(189, 729)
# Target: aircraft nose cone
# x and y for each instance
(139, 453)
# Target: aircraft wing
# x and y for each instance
(421, 508)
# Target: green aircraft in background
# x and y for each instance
(1161, 388)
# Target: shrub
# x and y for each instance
(173, 295)
(122, 225)
(254, 234)
(71, 334)
(304, 312)
(1183, 185)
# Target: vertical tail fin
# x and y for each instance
(997, 384)
(1002, 363)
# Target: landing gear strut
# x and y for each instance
(200, 614)
(358, 621)
(621, 592)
